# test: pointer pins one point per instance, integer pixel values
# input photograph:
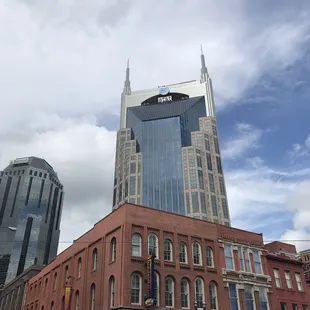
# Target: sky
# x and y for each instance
(62, 68)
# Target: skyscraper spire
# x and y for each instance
(127, 88)
(204, 70)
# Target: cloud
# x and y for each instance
(62, 70)
(300, 151)
(247, 138)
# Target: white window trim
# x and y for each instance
(171, 250)
(286, 272)
(302, 287)
(203, 289)
(173, 294)
(158, 289)
(275, 278)
(212, 257)
(200, 253)
(216, 296)
(188, 295)
(140, 244)
(253, 296)
(95, 259)
(232, 256)
(260, 261)
(157, 244)
(112, 292)
(93, 297)
(186, 254)
(140, 288)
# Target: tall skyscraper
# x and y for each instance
(167, 150)
(31, 198)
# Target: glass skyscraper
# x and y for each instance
(167, 150)
(31, 198)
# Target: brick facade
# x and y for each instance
(197, 261)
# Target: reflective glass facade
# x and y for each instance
(31, 198)
(160, 132)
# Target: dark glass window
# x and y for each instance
(219, 165)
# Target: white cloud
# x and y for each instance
(300, 150)
(247, 138)
(62, 68)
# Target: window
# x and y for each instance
(55, 281)
(168, 250)
(136, 289)
(184, 294)
(63, 303)
(196, 253)
(183, 253)
(77, 300)
(93, 296)
(295, 307)
(199, 292)
(240, 258)
(228, 257)
(213, 296)
(112, 291)
(298, 281)
(304, 307)
(288, 279)
(233, 296)
(169, 292)
(95, 258)
(157, 289)
(136, 242)
(263, 298)
(277, 279)
(257, 262)
(247, 260)
(45, 286)
(52, 305)
(209, 257)
(79, 267)
(283, 306)
(113, 250)
(66, 273)
(249, 298)
(153, 244)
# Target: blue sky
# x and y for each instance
(62, 72)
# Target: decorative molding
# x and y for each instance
(185, 266)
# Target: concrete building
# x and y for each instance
(289, 287)
(12, 295)
(138, 257)
(167, 150)
(31, 198)
(305, 258)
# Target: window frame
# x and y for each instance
(149, 246)
(140, 288)
(93, 296)
(95, 259)
(299, 282)
(201, 300)
(136, 245)
(182, 243)
(277, 277)
(199, 253)
(113, 249)
(168, 250)
(187, 294)
(288, 279)
(209, 257)
(213, 299)
(112, 291)
(231, 258)
(169, 278)
(79, 268)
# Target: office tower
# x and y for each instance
(31, 198)
(167, 150)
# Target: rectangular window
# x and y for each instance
(199, 163)
(209, 161)
(216, 146)
(247, 260)
(295, 307)
(257, 262)
(203, 203)
(132, 186)
(277, 278)
(233, 296)
(214, 205)
(241, 260)
(249, 297)
(304, 307)
(298, 281)
(263, 299)
(228, 257)
(283, 306)
(200, 179)
(195, 202)
(207, 145)
(219, 165)
(225, 208)
(222, 186)
(211, 180)
(288, 279)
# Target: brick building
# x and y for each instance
(305, 258)
(198, 264)
(11, 295)
(288, 283)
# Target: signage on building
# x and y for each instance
(19, 161)
(68, 293)
(238, 240)
(150, 300)
(164, 99)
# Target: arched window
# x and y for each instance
(153, 244)
(55, 281)
(199, 292)
(183, 253)
(157, 289)
(197, 254)
(45, 286)
(93, 296)
(136, 242)
(66, 272)
(213, 296)
(77, 300)
(112, 292)
(113, 250)
(168, 251)
(169, 292)
(209, 257)
(136, 289)
(184, 293)
(79, 267)
(95, 258)
(52, 305)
